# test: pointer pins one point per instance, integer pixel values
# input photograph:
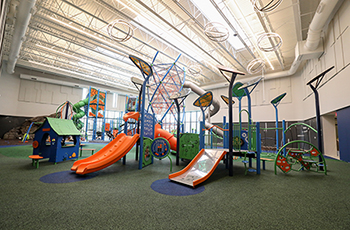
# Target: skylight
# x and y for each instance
(210, 12)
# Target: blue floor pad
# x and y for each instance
(65, 177)
(168, 187)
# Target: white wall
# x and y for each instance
(262, 109)
(20, 97)
(335, 93)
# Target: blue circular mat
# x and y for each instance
(168, 187)
(65, 177)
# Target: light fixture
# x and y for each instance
(273, 4)
(120, 30)
(256, 66)
(216, 32)
(265, 42)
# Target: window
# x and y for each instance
(115, 100)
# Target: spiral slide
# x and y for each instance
(79, 112)
(108, 155)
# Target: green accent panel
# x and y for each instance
(63, 126)
(279, 98)
(189, 145)
(147, 156)
(236, 92)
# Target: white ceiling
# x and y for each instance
(69, 37)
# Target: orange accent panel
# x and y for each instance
(46, 129)
(159, 132)
(111, 153)
(281, 162)
(35, 144)
(35, 157)
(314, 152)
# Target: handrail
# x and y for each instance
(216, 127)
(301, 124)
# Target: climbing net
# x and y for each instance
(167, 79)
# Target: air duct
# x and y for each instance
(311, 48)
(319, 21)
(24, 13)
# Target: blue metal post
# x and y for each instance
(201, 135)
(225, 143)
(142, 119)
(126, 132)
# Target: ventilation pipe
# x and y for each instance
(311, 48)
(323, 12)
(24, 13)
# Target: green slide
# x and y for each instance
(79, 113)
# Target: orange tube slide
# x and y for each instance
(159, 132)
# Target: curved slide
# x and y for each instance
(79, 112)
(108, 155)
(200, 168)
(212, 111)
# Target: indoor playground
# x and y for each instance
(188, 114)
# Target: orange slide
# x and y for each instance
(107, 156)
(159, 132)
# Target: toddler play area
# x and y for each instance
(164, 114)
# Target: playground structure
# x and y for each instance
(205, 162)
(152, 138)
(301, 154)
(153, 141)
(57, 139)
(298, 155)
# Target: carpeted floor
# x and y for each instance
(121, 197)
